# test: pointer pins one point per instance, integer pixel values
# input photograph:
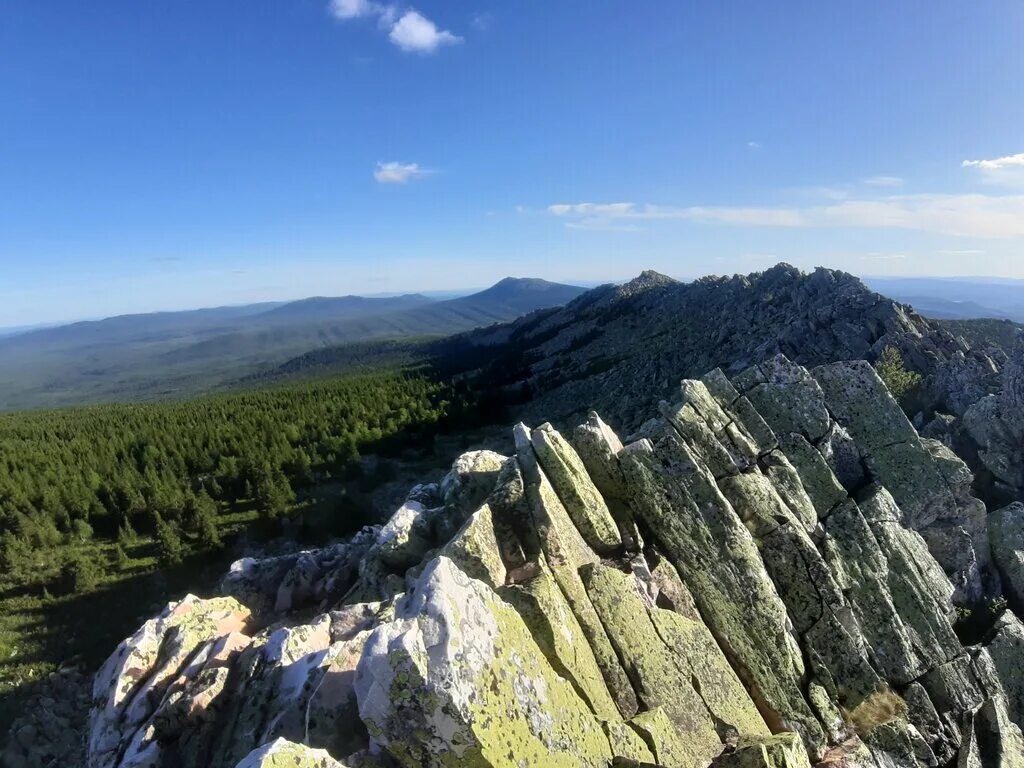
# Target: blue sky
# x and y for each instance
(161, 155)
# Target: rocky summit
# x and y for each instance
(765, 576)
(621, 349)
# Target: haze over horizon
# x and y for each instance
(163, 157)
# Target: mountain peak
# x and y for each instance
(645, 281)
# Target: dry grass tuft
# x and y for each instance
(880, 707)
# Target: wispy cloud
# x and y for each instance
(408, 29)
(998, 163)
(753, 144)
(398, 173)
(592, 209)
(883, 181)
(1007, 171)
(967, 215)
(963, 252)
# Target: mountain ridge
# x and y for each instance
(164, 355)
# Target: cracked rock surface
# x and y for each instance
(766, 577)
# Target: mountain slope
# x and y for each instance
(175, 354)
(620, 349)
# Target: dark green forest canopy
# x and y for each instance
(109, 471)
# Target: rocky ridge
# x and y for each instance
(763, 576)
(621, 349)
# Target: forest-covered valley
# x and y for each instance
(108, 510)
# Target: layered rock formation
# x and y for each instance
(763, 576)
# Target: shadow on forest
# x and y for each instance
(82, 630)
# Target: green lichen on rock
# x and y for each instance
(287, 754)
(659, 674)
(475, 549)
(626, 742)
(786, 481)
(718, 560)
(565, 552)
(457, 680)
(714, 680)
(581, 498)
(552, 624)
(817, 478)
(1007, 526)
(670, 748)
(783, 750)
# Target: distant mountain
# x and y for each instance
(149, 327)
(957, 298)
(172, 354)
(326, 309)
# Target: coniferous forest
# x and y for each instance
(106, 507)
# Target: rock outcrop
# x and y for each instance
(764, 577)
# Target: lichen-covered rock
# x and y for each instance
(558, 634)
(457, 679)
(714, 680)
(669, 747)
(471, 479)
(790, 400)
(294, 581)
(1007, 531)
(924, 486)
(579, 495)
(128, 687)
(475, 549)
(286, 754)
(821, 485)
(565, 552)
(1006, 649)
(718, 559)
(274, 678)
(905, 630)
(660, 675)
(626, 743)
(780, 751)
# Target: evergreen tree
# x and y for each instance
(902, 383)
(170, 550)
(80, 573)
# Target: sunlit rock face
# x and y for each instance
(766, 576)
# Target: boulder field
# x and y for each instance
(765, 575)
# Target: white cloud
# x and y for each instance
(969, 215)
(1006, 171)
(997, 164)
(592, 209)
(884, 181)
(415, 33)
(409, 30)
(754, 144)
(963, 252)
(398, 173)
